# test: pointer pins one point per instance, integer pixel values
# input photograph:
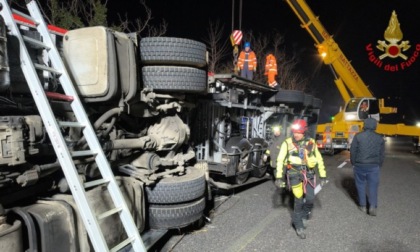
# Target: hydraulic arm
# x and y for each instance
(348, 81)
(339, 133)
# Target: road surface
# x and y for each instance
(256, 219)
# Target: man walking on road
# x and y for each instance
(301, 155)
(367, 155)
(274, 146)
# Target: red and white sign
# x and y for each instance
(236, 37)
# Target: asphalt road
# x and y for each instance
(256, 219)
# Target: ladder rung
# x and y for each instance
(25, 16)
(58, 96)
(64, 155)
(82, 153)
(109, 213)
(71, 124)
(35, 42)
(45, 68)
(95, 183)
(122, 244)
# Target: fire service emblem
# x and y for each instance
(393, 47)
(393, 35)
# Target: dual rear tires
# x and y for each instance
(178, 201)
(173, 65)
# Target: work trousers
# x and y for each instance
(304, 202)
(271, 78)
(367, 177)
(246, 73)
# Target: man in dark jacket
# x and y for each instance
(366, 156)
(274, 147)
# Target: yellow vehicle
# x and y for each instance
(360, 102)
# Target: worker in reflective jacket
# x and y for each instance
(271, 70)
(274, 146)
(247, 62)
(296, 163)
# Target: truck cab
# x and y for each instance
(358, 109)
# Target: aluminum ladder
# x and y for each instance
(64, 155)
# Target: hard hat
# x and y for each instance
(299, 126)
(247, 44)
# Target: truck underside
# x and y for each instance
(169, 132)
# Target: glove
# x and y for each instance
(324, 181)
(280, 183)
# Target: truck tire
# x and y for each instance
(172, 51)
(259, 168)
(290, 96)
(240, 160)
(174, 79)
(179, 189)
(175, 216)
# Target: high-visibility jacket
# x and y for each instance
(247, 57)
(290, 155)
(274, 149)
(270, 64)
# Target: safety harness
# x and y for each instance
(302, 168)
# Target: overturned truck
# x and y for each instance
(170, 132)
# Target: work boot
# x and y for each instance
(301, 233)
(305, 223)
(363, 209)
(372, 211)
(305, 219)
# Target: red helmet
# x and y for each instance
(299, 126)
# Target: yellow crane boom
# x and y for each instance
(353, 90)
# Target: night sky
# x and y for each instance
(353, 23)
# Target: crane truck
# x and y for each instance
(160, 133)
(338, 134)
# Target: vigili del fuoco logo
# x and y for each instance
(394, 48)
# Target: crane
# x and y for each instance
(338, 134)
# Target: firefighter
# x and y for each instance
(271, 70)
(296, 163)
(247, 62)
(271, 155)
(274, 147)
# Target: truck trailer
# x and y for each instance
(109, 140)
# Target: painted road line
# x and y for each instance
(241, 243)
(341, 166)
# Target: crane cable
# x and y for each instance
(233, 14)
(240, 15)
(235, 48)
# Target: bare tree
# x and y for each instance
(72, 14)
(217, 46)
(288, 76)
(142, 26)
